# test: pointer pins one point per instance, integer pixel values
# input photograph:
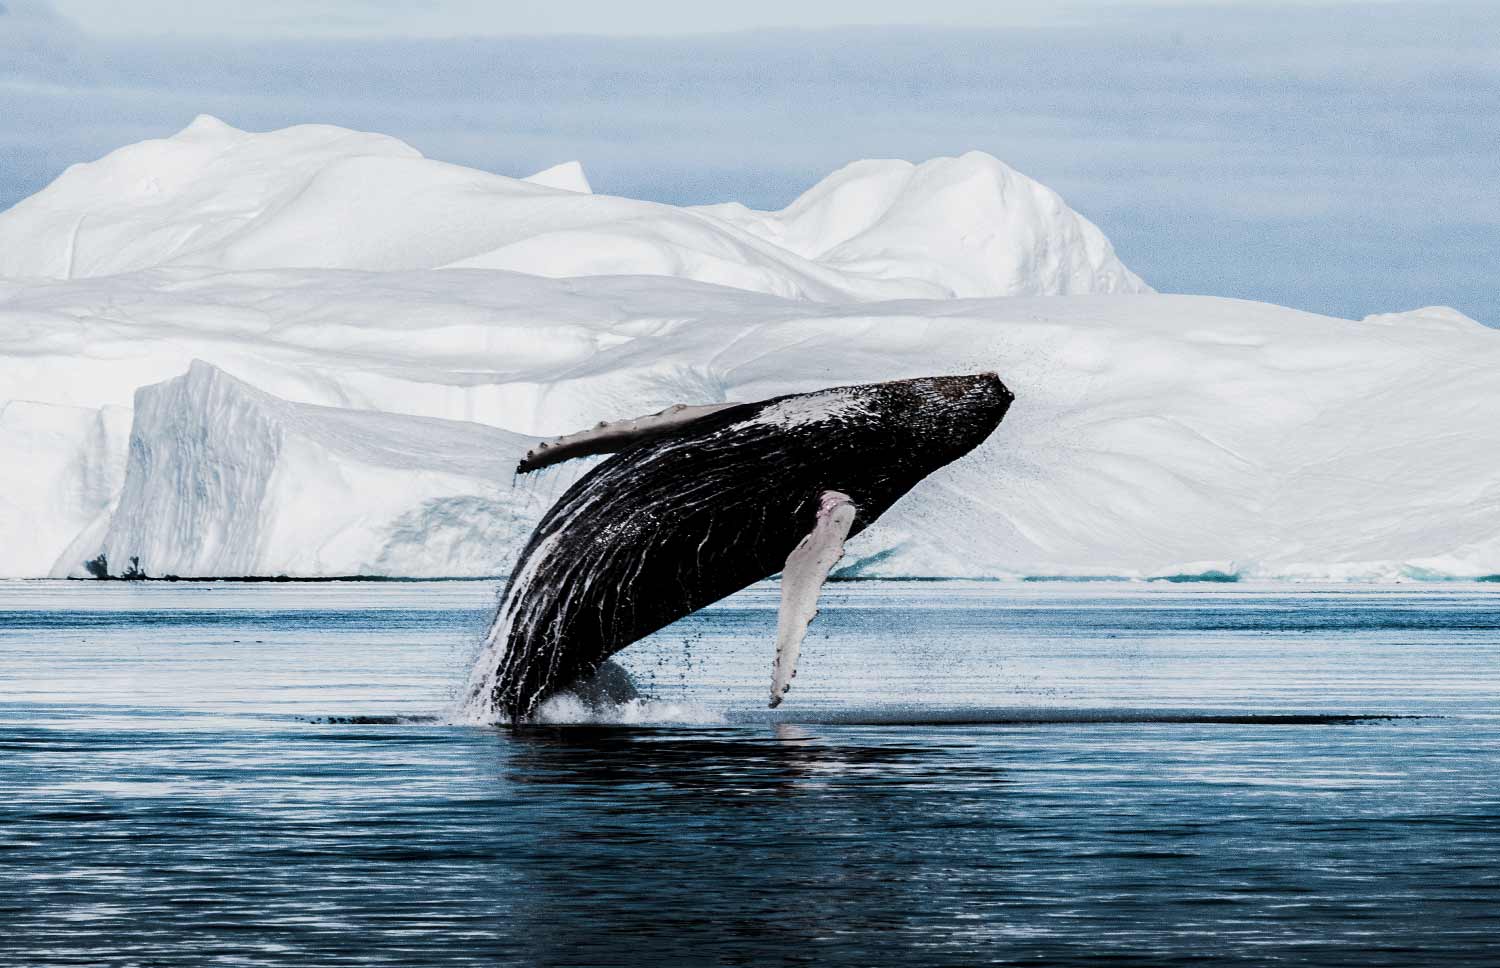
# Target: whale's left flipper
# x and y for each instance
(806, 569)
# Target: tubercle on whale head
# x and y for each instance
(974, 386)
(984, 399)
(975, 392)
(940, 417)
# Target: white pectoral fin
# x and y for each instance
(802, 580)
(609, 437)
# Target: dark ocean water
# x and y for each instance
(963, 774)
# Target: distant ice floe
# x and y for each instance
(233, 354)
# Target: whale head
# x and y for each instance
(867, 440)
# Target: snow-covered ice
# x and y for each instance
(370, 363)
(969, 226)
(322, 196)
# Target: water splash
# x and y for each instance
(567, 709)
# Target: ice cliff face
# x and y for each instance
(365, 418)
(223, 479)
(61, 469)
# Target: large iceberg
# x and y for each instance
(326, 197)
(307, 386)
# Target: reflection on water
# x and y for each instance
(1150, 776)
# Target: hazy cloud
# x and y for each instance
(470, 18)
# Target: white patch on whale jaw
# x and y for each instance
(809, 408)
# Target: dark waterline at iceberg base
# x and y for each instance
(1099, 773)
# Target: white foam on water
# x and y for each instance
(568, 709)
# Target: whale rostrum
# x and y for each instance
(697, 503)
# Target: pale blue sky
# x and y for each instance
(1340, 157)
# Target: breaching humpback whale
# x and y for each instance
(700, 502)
